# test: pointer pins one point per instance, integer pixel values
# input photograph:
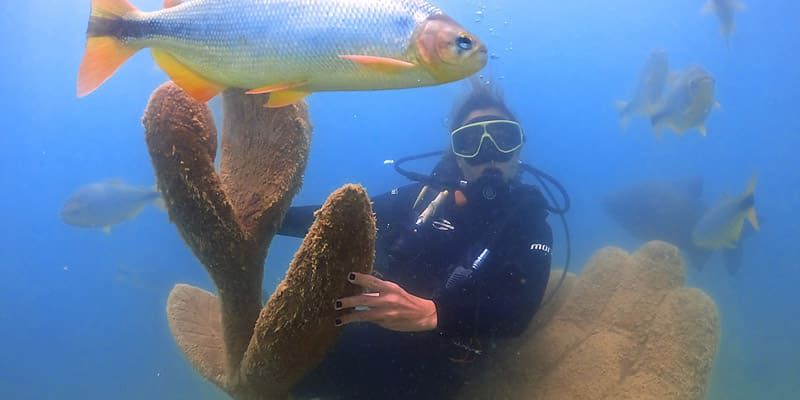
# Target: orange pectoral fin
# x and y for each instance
(278, 87)
(172, 3)
(381, 64)
(193, 83)
(104, 55)
(285, 98)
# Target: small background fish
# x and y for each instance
(688, 103)
(663, 209)
(725, 10)
(722, 225)
(105, 204)
(652, 81)
(673, 210)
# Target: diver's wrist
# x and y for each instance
(431, 320)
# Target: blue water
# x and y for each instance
(82, 313)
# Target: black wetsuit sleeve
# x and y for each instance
(389, 208)
(297, 221)
(500, 298)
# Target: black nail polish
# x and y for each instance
(338, 305)
(352, 276)
(338, 322)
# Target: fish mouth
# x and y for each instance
(483, 59)
(482, 56)
(69, 215)
(705, 82)
(67, 218)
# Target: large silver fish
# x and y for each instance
(288, 48)
(658, 209)
(105, 204)
(687, 104)
(648, 92)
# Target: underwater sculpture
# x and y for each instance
(626, 328)
(229, 219)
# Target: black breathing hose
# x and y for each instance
(542, 177)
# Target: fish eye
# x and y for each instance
(464, 42)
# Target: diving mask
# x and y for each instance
(506, 135)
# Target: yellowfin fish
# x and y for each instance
(105, 204)
(721, 226)
(288, 48)
(725, 10)
(687, 104)
(648, 92)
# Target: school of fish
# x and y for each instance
(678, 100)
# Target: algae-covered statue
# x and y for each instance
(229, 218)
(625, 328)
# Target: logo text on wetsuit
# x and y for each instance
(541, 247)
(443, 225)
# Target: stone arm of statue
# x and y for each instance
(390, 306)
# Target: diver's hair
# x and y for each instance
(482, 95)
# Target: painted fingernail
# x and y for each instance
(338, 322)
(338, 305)
(352, 276)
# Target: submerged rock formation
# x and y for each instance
(626, 328)
(229, 218)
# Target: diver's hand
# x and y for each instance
(388, 305)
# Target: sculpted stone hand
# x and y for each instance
(229, 218)
(626, 328)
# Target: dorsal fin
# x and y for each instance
(172, 3)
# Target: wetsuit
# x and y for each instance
(495, 299)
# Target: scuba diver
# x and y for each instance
(462, 259)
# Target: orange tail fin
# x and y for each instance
(111, 8)
(105, 53)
